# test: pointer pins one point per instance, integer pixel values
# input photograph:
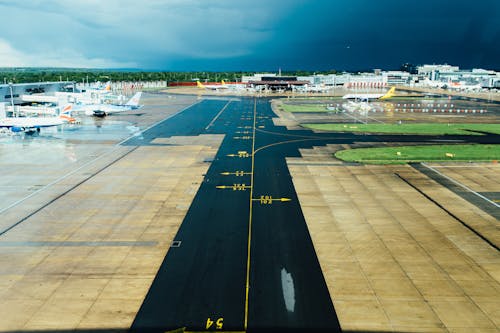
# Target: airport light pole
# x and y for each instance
(11, 97)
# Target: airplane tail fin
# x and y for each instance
(108, 86)
(134, 101)
(65, 114)
(200, 85)
(389, 94)
(222, 82)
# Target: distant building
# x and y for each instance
(274, 82)
(255, 77)
(396, 78)
(432, 72)
(362, 80)
(13, 92)
(425, 75)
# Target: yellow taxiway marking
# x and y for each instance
(267, 199)
(249, 241)
(281, 143)
(241, 154)
(234, 187)
(218, 323)
(261, 126)
(236, 173)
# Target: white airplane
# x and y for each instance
(366, 97)
(33, 124)
(461, 85)
(102, 110)
(312, 88)
(233, 86)
(85, 97)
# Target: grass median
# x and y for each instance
(414, 128)
(431, 153)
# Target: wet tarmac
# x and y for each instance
(62, 150)
(243, 258)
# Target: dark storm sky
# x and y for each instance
(250, 35)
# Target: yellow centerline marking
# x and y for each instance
(272, 199)
(247, 287)
(282, 143)
(296, 135)
(236, 173)
(234, 187)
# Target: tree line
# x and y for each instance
(25, 75)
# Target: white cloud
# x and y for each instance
(10, 57)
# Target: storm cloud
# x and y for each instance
(249, 34)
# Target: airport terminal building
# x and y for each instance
(12, 92)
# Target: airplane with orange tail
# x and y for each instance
(31, 125)
(212, 86)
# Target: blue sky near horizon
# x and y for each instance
(249, 34)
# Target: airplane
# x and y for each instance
(234, 86)
(312, 88)
(461, 85)
(367, 97)
(211, 86)
(102, 110)
(31, 125)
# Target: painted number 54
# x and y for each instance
(218, 323)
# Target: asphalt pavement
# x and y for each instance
(243, 259)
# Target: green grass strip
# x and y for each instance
(432, 153)
(413, 128)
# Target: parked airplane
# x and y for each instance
(312, 88)
(461, 85)
(366, 97)
(211, 86)
(102, 110)
(33, 124)
(233, 86)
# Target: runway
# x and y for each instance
(213, 277)
(243, 259)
